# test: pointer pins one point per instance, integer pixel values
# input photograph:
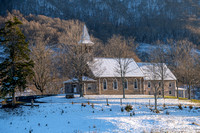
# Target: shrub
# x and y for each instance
(122, 109)
(164, 105)
(110, 109)
(167, 113)
(157, 111)
(190, 107)
(180, 107)
(131, 114)
(128, 107)
(62, 112)
(83, 105)
(88, 103)
(72, 102)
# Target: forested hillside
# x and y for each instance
(146, 20)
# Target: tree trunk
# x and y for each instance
(155, 96)
(13, 98)
(189, 92)
(81, 90)
(177, 89)
(42, 92)
(163, 90)
(123, 88)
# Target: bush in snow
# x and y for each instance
(180, 107)
(83, 105)
(191, 107)
(62, 112)
(133, 112)
(122, 109)
(164, 105)
(31, 130)
(88, 102)
(167, 113)
(157, 111)
(128, 107)
(72, 102)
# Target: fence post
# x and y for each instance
(149, 102)
(120, 101)
(107, 101)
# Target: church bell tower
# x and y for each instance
(85, 43)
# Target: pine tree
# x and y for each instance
(17, 65)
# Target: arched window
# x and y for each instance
(115, 84)
(170, 85)
(149, 84)
(126, 84)
(104, 84)
(135, 84)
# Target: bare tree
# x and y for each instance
(159, 56)
(184, 63)
(118, 48)
(42, 69)
(154, 76)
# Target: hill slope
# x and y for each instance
(147, 20)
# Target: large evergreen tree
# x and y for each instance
(17, 65)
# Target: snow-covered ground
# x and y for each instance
(59, 115)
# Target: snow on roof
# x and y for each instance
(84, 78)
(182, 89)
(85, 38)
(147, 69)
(107, 67)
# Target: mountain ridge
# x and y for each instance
(146, 20)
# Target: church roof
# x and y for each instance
(147, 69)
(107, 67)
(85, 38)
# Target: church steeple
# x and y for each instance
(85, 38)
